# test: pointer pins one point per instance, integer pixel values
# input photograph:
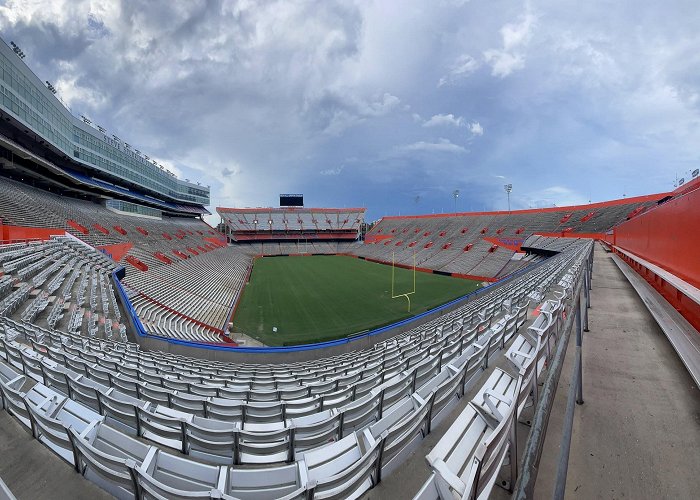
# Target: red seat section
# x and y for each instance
(162, 257)
(136, 263)
(565, 218)
(636, 212)
(120, 230)
(167, 236)
(588, 216)
(183, 256)
(101, 229)
(192, 251)
(142, 231)
(468, 247)
(493, 248)
(78, 227)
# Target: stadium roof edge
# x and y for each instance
(590, 206)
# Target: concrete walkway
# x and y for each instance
(31, 471)
(638, 433)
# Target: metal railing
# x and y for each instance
(529, 464)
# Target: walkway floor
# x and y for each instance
(637, 435)
(32, 471)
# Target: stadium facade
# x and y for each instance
(42, 139)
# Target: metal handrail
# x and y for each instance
(525, 485)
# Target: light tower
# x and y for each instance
(508, 188)
(455, 194)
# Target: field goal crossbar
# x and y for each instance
(407, 294)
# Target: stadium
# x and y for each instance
(292, 352)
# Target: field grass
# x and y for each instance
(317, 298)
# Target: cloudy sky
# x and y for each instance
(386, 104)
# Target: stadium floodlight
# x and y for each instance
(508, 188)
(455, 194)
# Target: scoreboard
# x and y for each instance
(291, 200)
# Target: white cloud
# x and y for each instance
(476, 129)
(553, 196)
(441, 146)
(464, 66)
(504, 63)
(515, 36)
(332, 171)
(169, 165)
(442, 120)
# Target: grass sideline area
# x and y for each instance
(325, 297)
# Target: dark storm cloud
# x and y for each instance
(393, 105)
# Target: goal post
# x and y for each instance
(393, 280)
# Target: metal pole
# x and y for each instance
(579, 358)
(565, 444)
(587, 298)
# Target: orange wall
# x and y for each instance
(116, 251)
(668, 236)
(18, 233)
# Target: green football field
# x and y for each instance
(325, 297)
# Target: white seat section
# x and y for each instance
(402, 424)
(212, 441)
(467, 460)
(282, 482)
(107, 457)
(164, 476)
(51, 417)
(329, 425)
(344, 469)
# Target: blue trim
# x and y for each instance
(127, 305)
(320, 345)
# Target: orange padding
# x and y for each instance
(116, 251)
(667, 235)
(11, 234)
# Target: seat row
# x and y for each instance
(469, 458)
